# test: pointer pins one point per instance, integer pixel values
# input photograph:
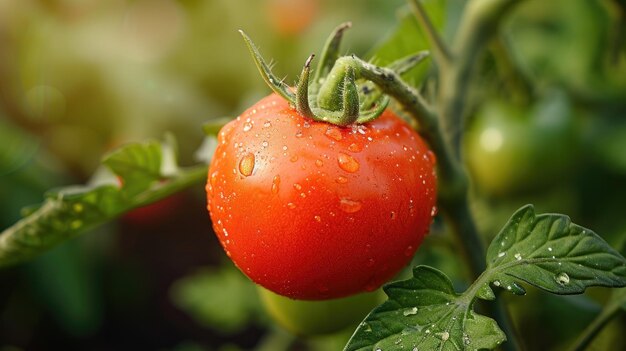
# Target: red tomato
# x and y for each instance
(314, 211)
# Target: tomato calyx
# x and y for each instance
(339, 92)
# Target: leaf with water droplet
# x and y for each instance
(554, 254)
(138, 174)
(425, 312)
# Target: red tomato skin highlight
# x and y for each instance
(314, 211)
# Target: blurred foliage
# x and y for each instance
(78, 78)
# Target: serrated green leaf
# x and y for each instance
(137, 165)
(425, 313)
(69, 211)
(552, 253)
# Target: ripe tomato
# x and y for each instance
(313, 211)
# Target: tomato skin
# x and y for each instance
(313, 211)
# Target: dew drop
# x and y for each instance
(293, 158)
(246, 164)
(562, 278)
(297, 186)
(213, 178)
(370, 287)
(350, 206)
(431, 157)
(291, 205)
(354, 147)
(341, 180)
(319, 163)
(433, 211)
(393, 215)
(299, 134)
(267, 124)
(518, 257)
(409, 251)
(247, 126)
(409, 311)
(348, 163)
(333, 133)
(275, 184)
(323, 289)
(318, 219)
(501, 254)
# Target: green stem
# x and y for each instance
(40, 230)
(440, 49)
(478, 24)
(608, 312)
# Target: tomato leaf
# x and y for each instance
(148, 173)
(137, 165)
(425, 313)
(550, 252)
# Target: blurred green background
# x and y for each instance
(80, 77)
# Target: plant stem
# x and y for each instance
(609, 311)
(478, 24)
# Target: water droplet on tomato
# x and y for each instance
(434, 211)
(318, 219)
(431, 157)
(323, 289)
(393, 215)
(299, 134)
(354, 147)
(291, 205)
(267, 124)
(409, 251)
(350, 206)
(293, 158)
(297, 186)
(348, 163)
(246, 164)
(334, 133)
(319, 163)
(341, 180)
(213, 178)
(247, 126)
(275, 184)
(371, 286)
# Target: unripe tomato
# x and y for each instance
(313, 211)
(319, 317)
(512, 149)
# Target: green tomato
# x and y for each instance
(510, 150)
(306, 318)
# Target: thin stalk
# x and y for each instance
(477, 26)
(438, 46)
